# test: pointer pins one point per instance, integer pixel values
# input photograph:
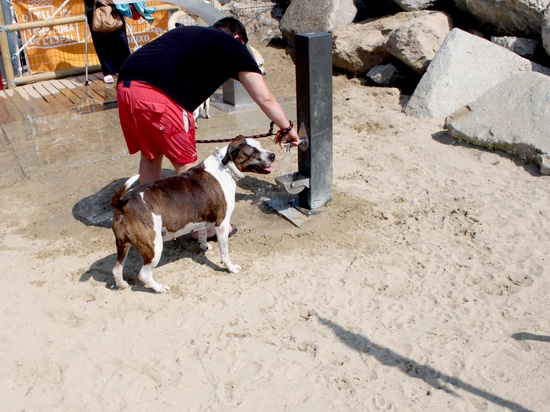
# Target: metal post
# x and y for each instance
(314, 109)
(6, 53)
(313, 180)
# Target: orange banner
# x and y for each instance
(144, 32)
(62, 46)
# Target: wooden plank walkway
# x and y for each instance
(49, 97)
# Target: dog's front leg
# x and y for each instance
(222, 233)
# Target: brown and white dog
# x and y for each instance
(202, 196)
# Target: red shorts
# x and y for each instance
(154, 124)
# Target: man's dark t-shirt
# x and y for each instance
(189, 63)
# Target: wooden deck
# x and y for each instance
(56, 96)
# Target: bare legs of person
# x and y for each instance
(151, 169)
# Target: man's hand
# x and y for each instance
(287, 138)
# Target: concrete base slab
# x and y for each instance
(290, 210)
(219, 103)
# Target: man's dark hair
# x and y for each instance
(232, 26)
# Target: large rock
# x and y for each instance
(260, 19)
(416, 42)
(463, 69)
(306, 16)
(359, 47)
(545, 30)
(384, 75)
(517, 17)
(513, 116)
(524, 47)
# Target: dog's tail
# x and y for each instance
(116, 201)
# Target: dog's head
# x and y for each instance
(248, 156)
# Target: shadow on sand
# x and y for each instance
(530, 167)
(174, 250)
(409, 367)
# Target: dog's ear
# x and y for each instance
(227, 156)
(232, 149)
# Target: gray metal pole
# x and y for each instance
(314, 110)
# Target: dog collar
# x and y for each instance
(233, 171)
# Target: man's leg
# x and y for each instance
(150, 169)
(180, 168)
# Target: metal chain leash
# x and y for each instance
(256, 136)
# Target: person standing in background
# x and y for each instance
(111, 48)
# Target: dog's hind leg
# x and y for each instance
(146, 276)
(122, 251)
(151, 260)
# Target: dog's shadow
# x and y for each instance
(174, 250)
(96, 210)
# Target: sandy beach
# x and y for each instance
(422, 286)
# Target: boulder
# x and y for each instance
(261, 19)
(513, 116)
(524, 47)
(359, 47)
(417, 41)
(512, 17)
(463, 69)
(545, 30)
(306, 16)
(385, 75)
